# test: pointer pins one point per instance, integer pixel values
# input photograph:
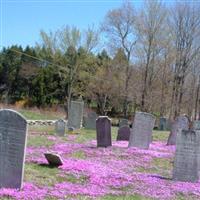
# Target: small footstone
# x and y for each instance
(53, 159)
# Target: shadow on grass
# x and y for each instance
(161, 177)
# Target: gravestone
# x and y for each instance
(75, 117)
(60, 127)
(123, 122)
(141, 135)
(196, 125)
(186, 156)
(103, 128)
(13, 134)
(123, 133)
(163, 124)
(90, 120)
(181, 122)
(53, 159)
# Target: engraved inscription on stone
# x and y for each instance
(181, 122)
(103, 128)
(13, 132)
(186, 156)
(75, 117)
(141, 134)
(60, 127)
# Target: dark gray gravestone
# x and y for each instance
(123, 133)
(75, 117)
(163, 124)
(181, 122)
(186, 156)
(123, 122)
(103, 128)
(60, 127)
(196, 125)
(141, 135)
(90, 120)
(53, 159)
(13, 133)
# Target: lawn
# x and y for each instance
(88, 172)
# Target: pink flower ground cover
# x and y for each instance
(114, 170)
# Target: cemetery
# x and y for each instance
(99, 100)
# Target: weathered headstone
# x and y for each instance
(103, 128)
(186, 156)
(53, 159)
(163, 124)
(90, 120)
(181, 122)
(13, 133)
(75, 117)
(196, 125)
(123, 122)
(141, 135)
(123, 133)
(60, 126)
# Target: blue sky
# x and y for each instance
(22, 20)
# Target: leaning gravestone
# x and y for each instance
(196, 125)
(90, 120)
(75, 117)
(163, 124)
(13, 133)
(53, 159)
(181, 122)
(186, 156)
(123, 122)
(123, 133)
(141, 135)
(60, 127)
(103, 128)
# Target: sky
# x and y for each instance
(22, 20)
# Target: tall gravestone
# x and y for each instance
(186, 156)
(196, 125)
(90, 120)
(141, 135)
(103, 128)
(163, 124)
(75, 117)
(123, 122)
(181, 122)
(13, 133)
(60, 126)
(123, 133)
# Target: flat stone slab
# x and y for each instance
(13, 134)
(141, 135)
(103, 128)
(123, 133)
(182, 123)
(186, 156)
(53, 159)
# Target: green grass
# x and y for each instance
(160, 135)
(39, 140)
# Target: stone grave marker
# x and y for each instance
(75, 117)
(123, 122)
(90, 120)
(103, 129)
(186, 156)
(13, 134)
(181, 122)
(123, 133)
(196, 125)
(53, 159)
(163, 124)
(141, 135)
(60, 126)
